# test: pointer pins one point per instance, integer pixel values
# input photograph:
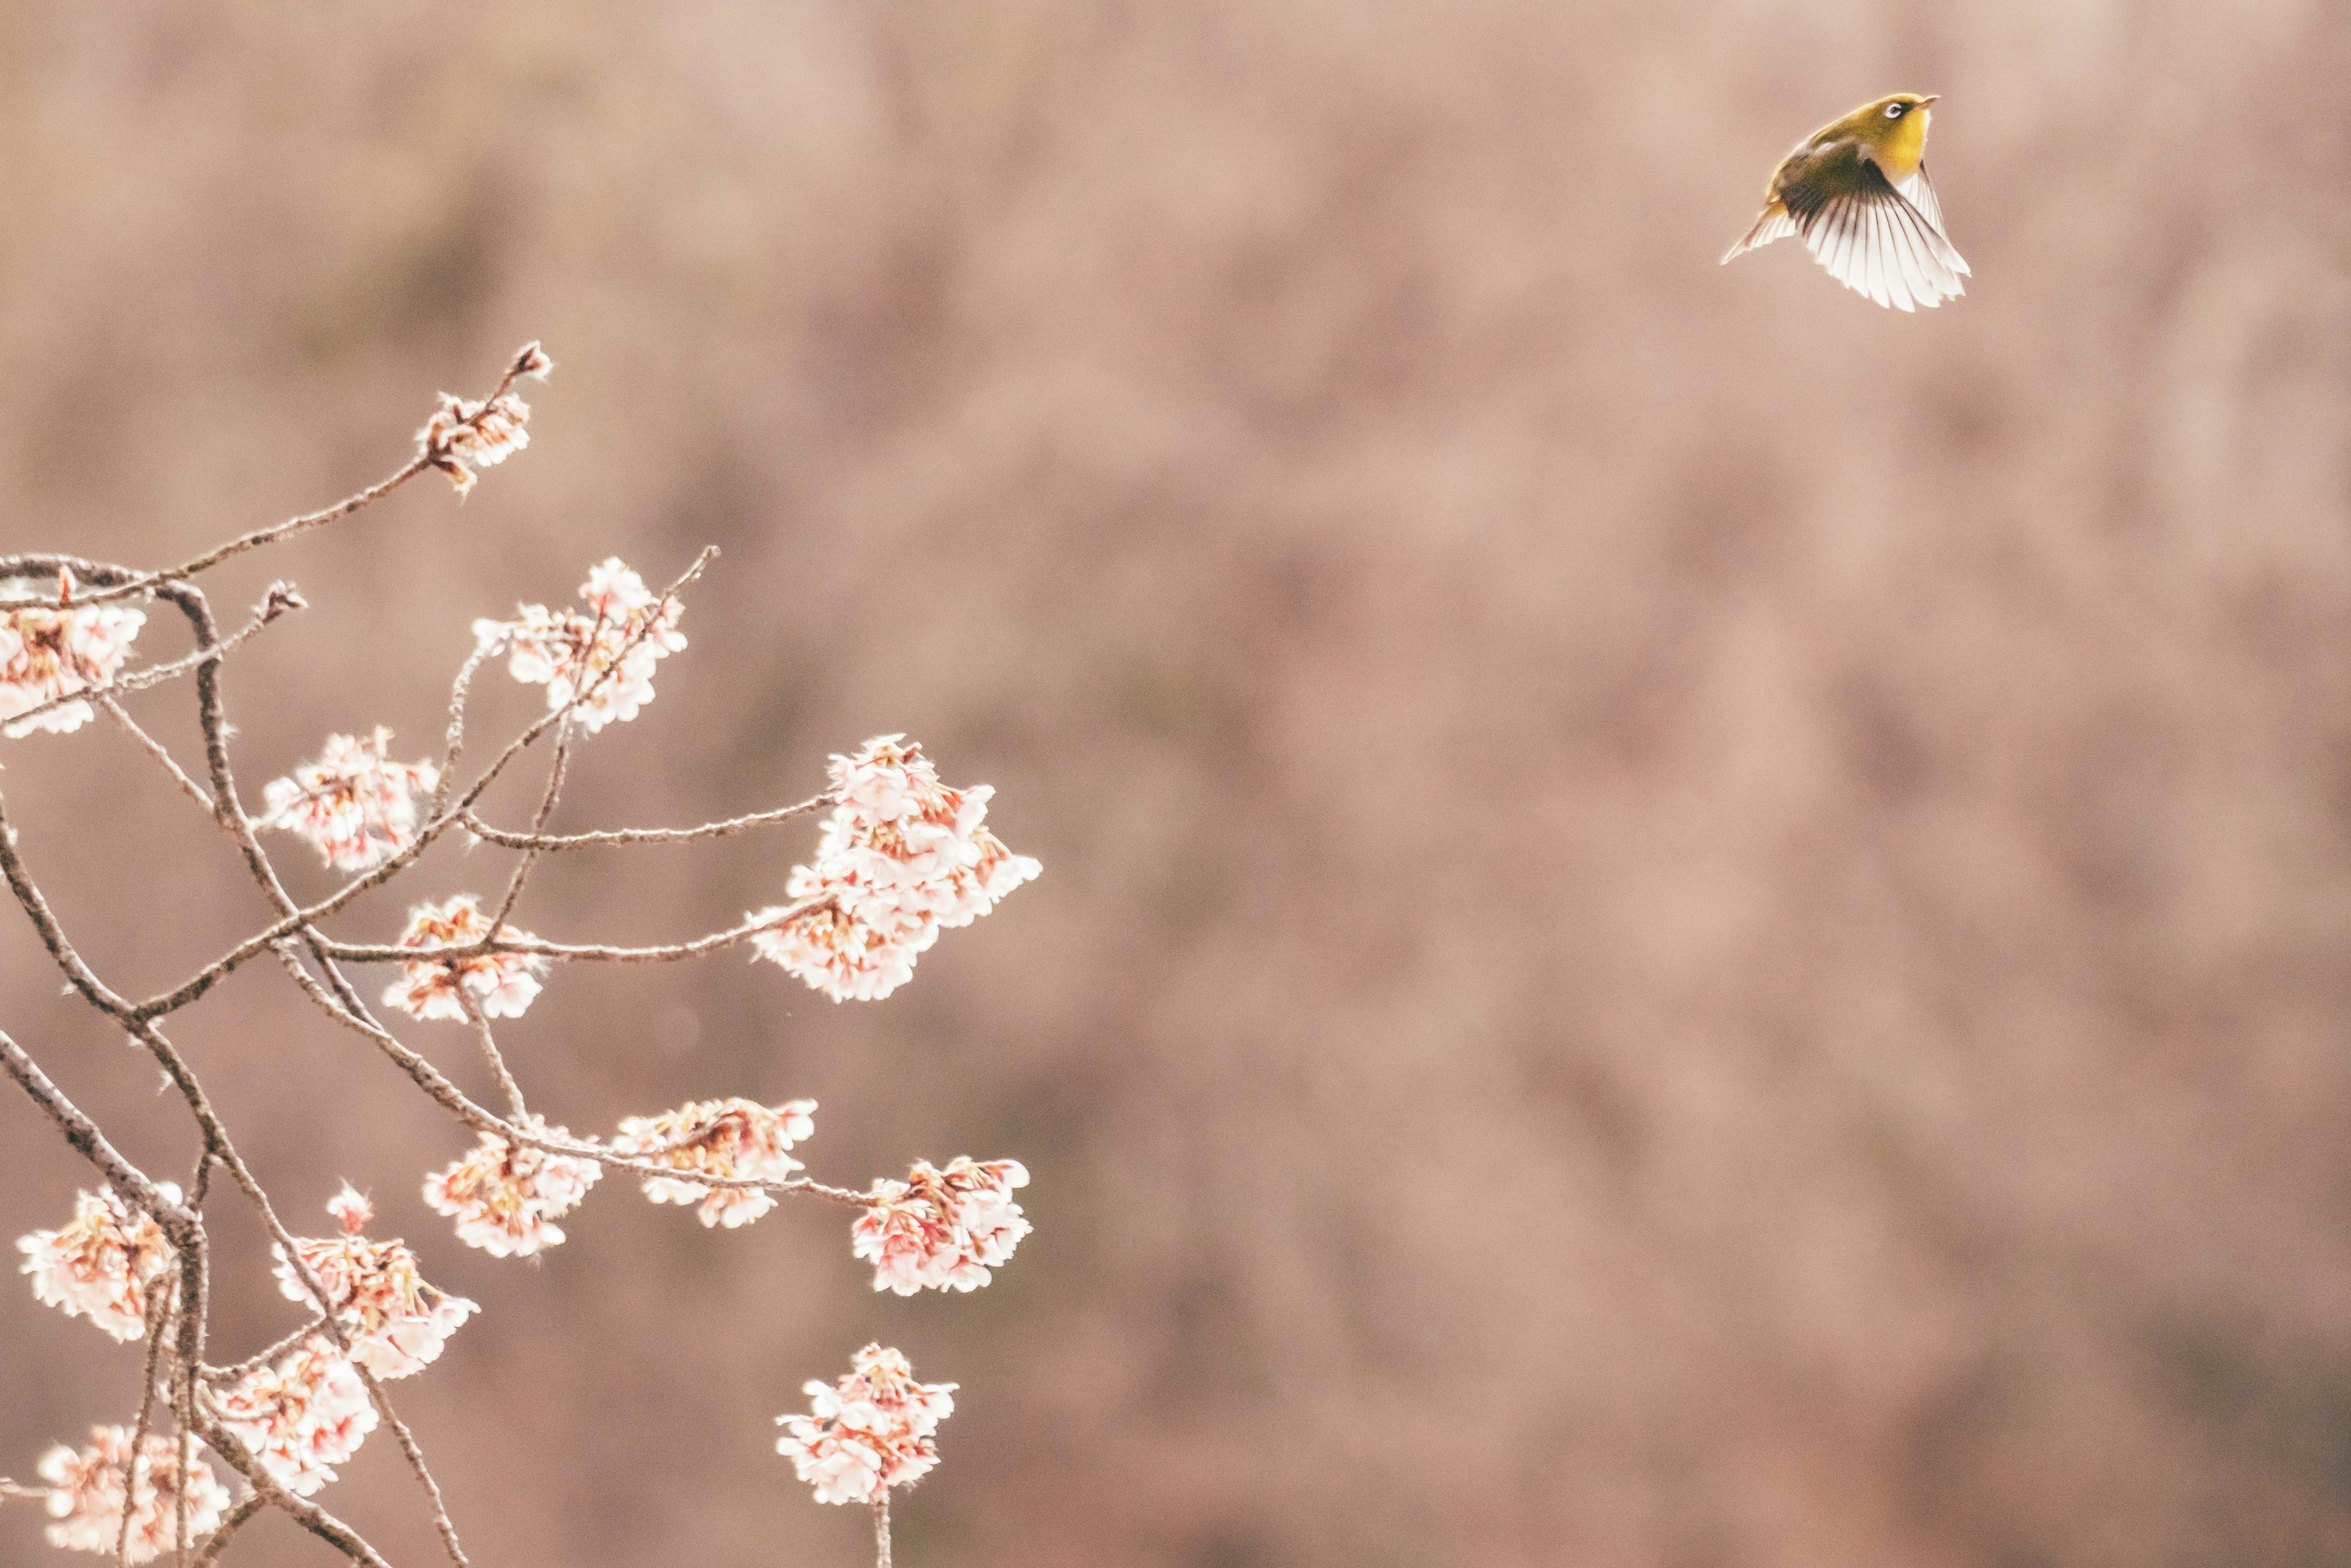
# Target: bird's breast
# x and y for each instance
(1903, 150)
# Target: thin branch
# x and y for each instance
(179, 1224)
(513, 840)
(881, 1528)
(309, 520)
(547, 800)
(261, 1358)
(408, 1446)
(733, 937)
(281, 598)
(9, 1490)
(455, 743)
(156, 750)
(217, 1543)
(305, 1513)
(53, 937)
(157, 1313)
(271, 535)
(490, 1053)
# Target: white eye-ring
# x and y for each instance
(1894, 110)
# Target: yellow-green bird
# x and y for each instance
(1856, 190)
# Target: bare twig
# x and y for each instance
(179, 1224)
(537, 822)
(157, 1311)
(513, 841)
(305, 1513)
(217, 1543)
(490, 1054)
(52, 935)
(156, 750)
(881, 1528)
(261, 1358)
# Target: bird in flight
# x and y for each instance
(1856, 191)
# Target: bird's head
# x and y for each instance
(1896, 123)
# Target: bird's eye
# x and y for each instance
(1894, 110)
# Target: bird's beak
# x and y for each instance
(1930, 97)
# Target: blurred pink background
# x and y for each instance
(1685, 923)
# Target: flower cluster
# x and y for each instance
(736, 1139)
(355, 806)
(301, 1415)
(395, 1321)
(501, 984)
(88, 1495)
(102, 1265)
(50, 650)
(605, 659)
(505, 1197)
(942, 1228)
(482, 434)
(903, 857)
(870, 1431)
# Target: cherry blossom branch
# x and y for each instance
(927, 862)
(449, 1097)
(529, 362)
(280, 599)
(297, 920)
(701, 947)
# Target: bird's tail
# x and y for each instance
(1774, 224)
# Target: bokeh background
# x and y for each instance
(1685, 923)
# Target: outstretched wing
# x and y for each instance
(1879, 243)
(1775, 224)
(1920, 190)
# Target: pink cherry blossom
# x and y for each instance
(942, 1228)
(901, 857)
(502, 984)
(728, 1139)
(103, 1265)
(88, 1495)
(50, 647)
(396, 1322)
(609, 655)
(463, 435)
(846, 958)
(356, 806)
(867, 1432)
(301, 1415)
(505, 1197)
